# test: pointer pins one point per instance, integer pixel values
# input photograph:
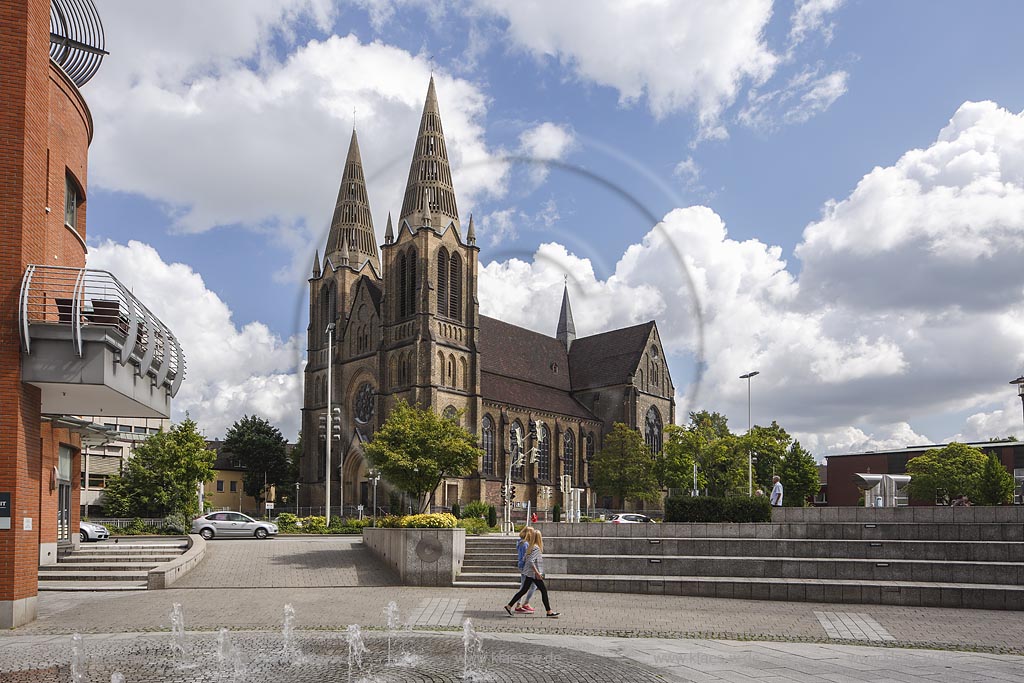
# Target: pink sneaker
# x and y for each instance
(527, 609)
(521, 610)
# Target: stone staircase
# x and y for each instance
(490, 562)
(110, 566)
(900, 557)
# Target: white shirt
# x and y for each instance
(777, 494)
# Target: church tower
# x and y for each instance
(431, 314)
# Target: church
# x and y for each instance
(405, 324)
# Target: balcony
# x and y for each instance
(92, 348)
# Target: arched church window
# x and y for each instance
(652, 431)
(409, 368)
(441, 366)
(590, 457)
(365, 402)
(451, 371)
(442, 282)
(316, 390)
(455, 288)
(487, 441)
(464, 373)
(543, 453)
(569, 454)
(515, 447)
(411, 293)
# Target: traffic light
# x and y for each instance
(512, 494)
(336, 424)
(533, 430)
(323, 427)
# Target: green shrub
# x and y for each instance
(287, 523)
(314, 525)
(474, 526)
(456, 510)
(177, 523)
(477, 509)
(439, 520)
(708, 509)
(556, 513)
(389, 521)
(492, 516)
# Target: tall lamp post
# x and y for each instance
(1020, 389)
(750, 458)
(374, 477)
(297, 499)
(330, 425)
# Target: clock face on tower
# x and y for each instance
(364, 403)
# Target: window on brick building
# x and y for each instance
(72, 198)
(220, 486)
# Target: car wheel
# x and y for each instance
(84, 536)
(261, 533)
(206, 532)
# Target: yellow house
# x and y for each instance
(226, 491)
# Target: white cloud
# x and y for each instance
(504, 225)
(678, 56)
(805, 96)
(230, 371)
(212, 126)
(545, 142)
(909, 305)
(811, 16)
(994, 424)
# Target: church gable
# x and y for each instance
(609, 358)
(362, 327)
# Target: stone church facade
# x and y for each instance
(407, 326)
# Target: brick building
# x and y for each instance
(407, 326)
(841, 468)
(72, 341)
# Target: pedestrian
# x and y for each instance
(524, 542)
(533, 518)
(958, 501)
(535, 574)
(776, 499)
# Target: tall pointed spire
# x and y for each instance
(430, 177)
(352, 221)
(389, 233)
(566, 328)
(316, 263)
(471, 233)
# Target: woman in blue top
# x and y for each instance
(524, 543)
(534, 574)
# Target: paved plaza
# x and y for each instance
(243, 586)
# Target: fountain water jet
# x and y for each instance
(356, 648)
(177, 629)
(288, 630)
(472, 646)
(116, 677)
(77, 659)
(393, 623)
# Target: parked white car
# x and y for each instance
(630, 518)
(231, 525)
(92, 532)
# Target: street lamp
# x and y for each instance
(330, 426)
(1020, 389)
(750, 458)
(297, 498)
(374, 477)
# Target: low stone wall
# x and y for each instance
(976, 514)
(420, 557)
(169, 572)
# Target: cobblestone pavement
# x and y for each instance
(682, 638)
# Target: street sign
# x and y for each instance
(270, 506)
(359, 507)
(5, 510)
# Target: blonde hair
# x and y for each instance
(526, 531)
(535, 540)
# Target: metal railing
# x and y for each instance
(79, 298)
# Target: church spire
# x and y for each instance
(352, 222)
(389, 232)
(316, 263)
(471, 233)
(566, 328)
(430, 177)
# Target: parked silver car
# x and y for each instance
(630, 518)
(231, 525)
(88, 531)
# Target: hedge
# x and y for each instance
(733, 509)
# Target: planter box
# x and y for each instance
(420, 557)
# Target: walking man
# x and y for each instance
(776, 499)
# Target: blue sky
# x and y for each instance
(851, 225)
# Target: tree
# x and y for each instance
(799, 475)
(995, 486)
(261, 449)
(624, 467)
(719, 456)
(769, 447)
(163, 475)
(943, 473)
(416, 448)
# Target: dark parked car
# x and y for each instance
(231, 525)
